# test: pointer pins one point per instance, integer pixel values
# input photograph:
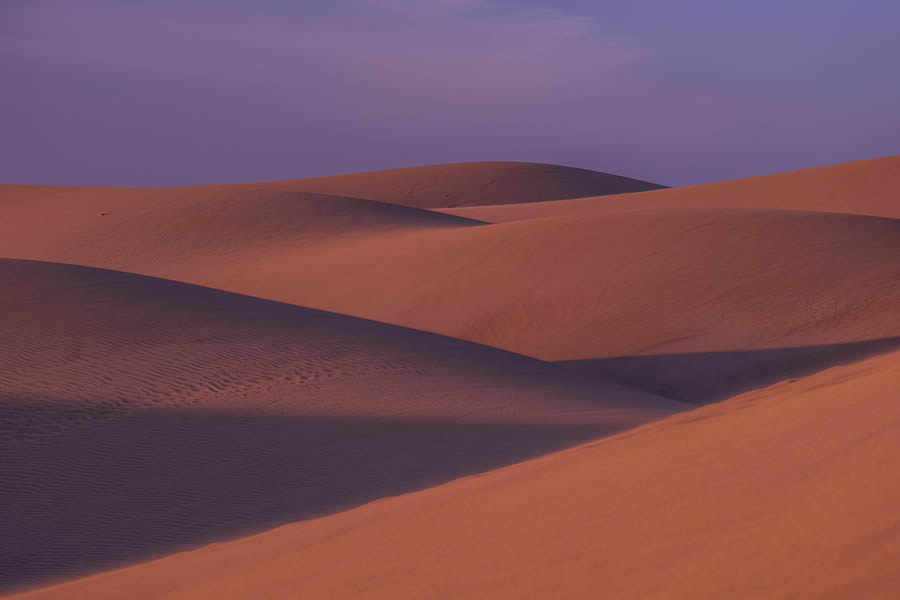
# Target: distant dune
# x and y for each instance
(433, 186)
(692, 303)
(473, 184)
(865, 187)
(674, 293)
(187, 366)
(104, 225)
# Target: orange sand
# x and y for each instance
(790, 492)
(187, 366)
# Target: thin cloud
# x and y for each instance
(427, 8)
(401, 44)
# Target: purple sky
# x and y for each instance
(204, 91)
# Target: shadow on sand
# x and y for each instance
(90, 489)
(703, 377)
(151, 482)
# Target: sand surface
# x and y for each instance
(473, 184)
(865, 187)
(787, 492)
(693, 302)
(184, 368)
(141, 416)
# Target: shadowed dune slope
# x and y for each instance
(866, 187)
(580, 288)
(434, 186)
(625, 285)
(631, 285)
(788, 492)
(472, 184)
(141, 416)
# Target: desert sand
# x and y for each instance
(786, 493)
(345, 387)
(865, 187)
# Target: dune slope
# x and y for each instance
(223, 380)
(693, 303)
(787, 492)
(865, 187)
(433, 186)
(100, 226)
(474, 184)
(141, 416)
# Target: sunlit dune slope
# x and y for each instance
(433, 186)
(94, 225)
(694, 304)
(866, 187)
(142, 416)
(788, 492)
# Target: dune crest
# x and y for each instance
(864, 187)
(431, 186)
(582, 287)
(109, 226)
(473, 184)
(149, 416)
(322, 387)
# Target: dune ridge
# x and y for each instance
(97, 226)
(389, 387)
(142, 416)
(431, 186)
(474, 184)
(863, 187)
(581, 289)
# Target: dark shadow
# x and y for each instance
(85, 491)
(98, 474)
(89, 488)
(702, 377)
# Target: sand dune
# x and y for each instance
(434, 186)
(630, 285)
(141, 416)
(789, 492)
(643, 297)
(100, 226)
(471, 184)
(865, 187)
(224, 380)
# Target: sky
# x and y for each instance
(172, 92)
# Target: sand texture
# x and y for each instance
(571, 385)
(786, 493)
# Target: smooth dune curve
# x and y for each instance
(630, 285)
(639, 296)
(432, 186)
(99, 225)
(865, 187)
(474, 184)
(788, 492)
(142, 416)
